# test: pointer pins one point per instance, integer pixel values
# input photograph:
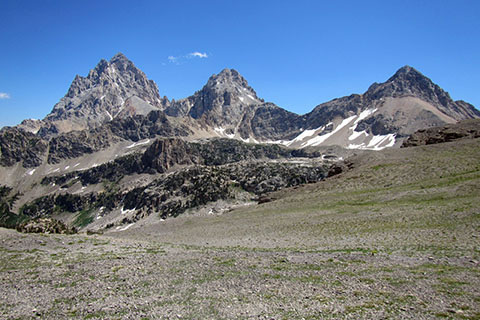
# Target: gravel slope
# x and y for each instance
(398, 236)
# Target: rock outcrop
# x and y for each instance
(45, 225)
(17, 145)
(468, 129)
(166, 154)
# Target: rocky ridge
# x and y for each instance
(30, 150)
(181, 176)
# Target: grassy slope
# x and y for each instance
(396, 237)
(424, 195)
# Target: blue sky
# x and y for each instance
(296, 54)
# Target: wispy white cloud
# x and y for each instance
(182, 58)
(4, 95)
(197, 54)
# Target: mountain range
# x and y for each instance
(227, 106)
(113, 150)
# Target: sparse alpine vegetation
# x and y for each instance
(395, 236)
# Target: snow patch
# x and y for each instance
(76, 165)
(365, 114)
(92, 166)
(249, 140)
(356, 146)
(126, 227)
(66, 168)
(306, 134)
(320, 139)
(241, 99)
(31, 172)
(282, 142)
(138, 144)
(377, 143)
(109, 115)
(127, 211)
(357, 134)
(219, 130)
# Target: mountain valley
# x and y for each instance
(122, 204)
(393, 235)
(113, 140)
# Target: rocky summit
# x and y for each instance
(113, 152)
(113, 89)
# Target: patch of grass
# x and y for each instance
(83, 218)
(382, 166)
(154, 250)
(362, 307)
(97, 314)
(116, 268)
(453, 282)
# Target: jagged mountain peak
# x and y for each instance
(122, 63)
(119, 57)
(228, 75)
(113, 88)
(406, 69)
(230, 80)
(119, 65)
(410, 75)
(409, 82)
(223, 99)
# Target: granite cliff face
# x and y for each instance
(222, 101)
